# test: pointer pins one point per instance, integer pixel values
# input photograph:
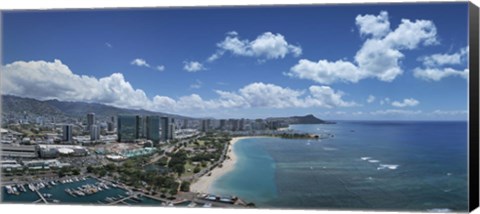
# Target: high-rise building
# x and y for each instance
(171, 131)
(185, 123)
(223, 124)
(141, 127)
(94, 132)
(67, 133)
(153, 128)
(127, 128)
(110, 126)
(205, 125)
(168, 128)
(241, 125)
(90, 120)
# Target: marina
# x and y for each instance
(75, 190)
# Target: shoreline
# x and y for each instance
(204, 183)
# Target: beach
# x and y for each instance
(202, 185)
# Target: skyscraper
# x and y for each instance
(110, 126)
(185, 123)
(90, 120)
(167, 128)
(141, 131)
(205, 125)
(94, 132)
(67, 133)
(223, 124)
(153, 128)
(127, 128)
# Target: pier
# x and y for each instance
(41, 196)
(121, 200)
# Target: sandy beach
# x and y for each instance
(202, 185)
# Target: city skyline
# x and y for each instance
(376, 62)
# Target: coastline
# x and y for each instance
(204, 183)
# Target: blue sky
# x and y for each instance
(264, 61)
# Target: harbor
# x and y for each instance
(74, 190)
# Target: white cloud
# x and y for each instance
(140, 62)
(379, 57)
(433, 69)
(395, 112)
(160, 68)
(377, 26)
(445, 59)
(409, 102)
(324, 71)
(437, 74)
(370, 99)
(449, 112)
(54, 80)
(324, 96)
(267, 46)
(108, 45)
(215, 56)
(193, 66)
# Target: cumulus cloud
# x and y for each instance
(266, 46)
(435, 66)
(140, 62)
(193, 66)
(445, 59)
(54, 80)
(409, 102)
(377, 26)
(380, 55)
(370, 99)
(437, 74)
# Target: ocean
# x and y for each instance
(394, 165)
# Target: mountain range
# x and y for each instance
(14, 105)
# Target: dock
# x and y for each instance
(41, 196)
(121, 200)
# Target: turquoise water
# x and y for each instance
(253, 159)
(415, 166)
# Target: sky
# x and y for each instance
(355, 62)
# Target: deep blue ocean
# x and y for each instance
(397, 165)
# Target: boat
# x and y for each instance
(31, 187)
(21, 188)
(207, 205)
(9, 189)
(193, 204)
